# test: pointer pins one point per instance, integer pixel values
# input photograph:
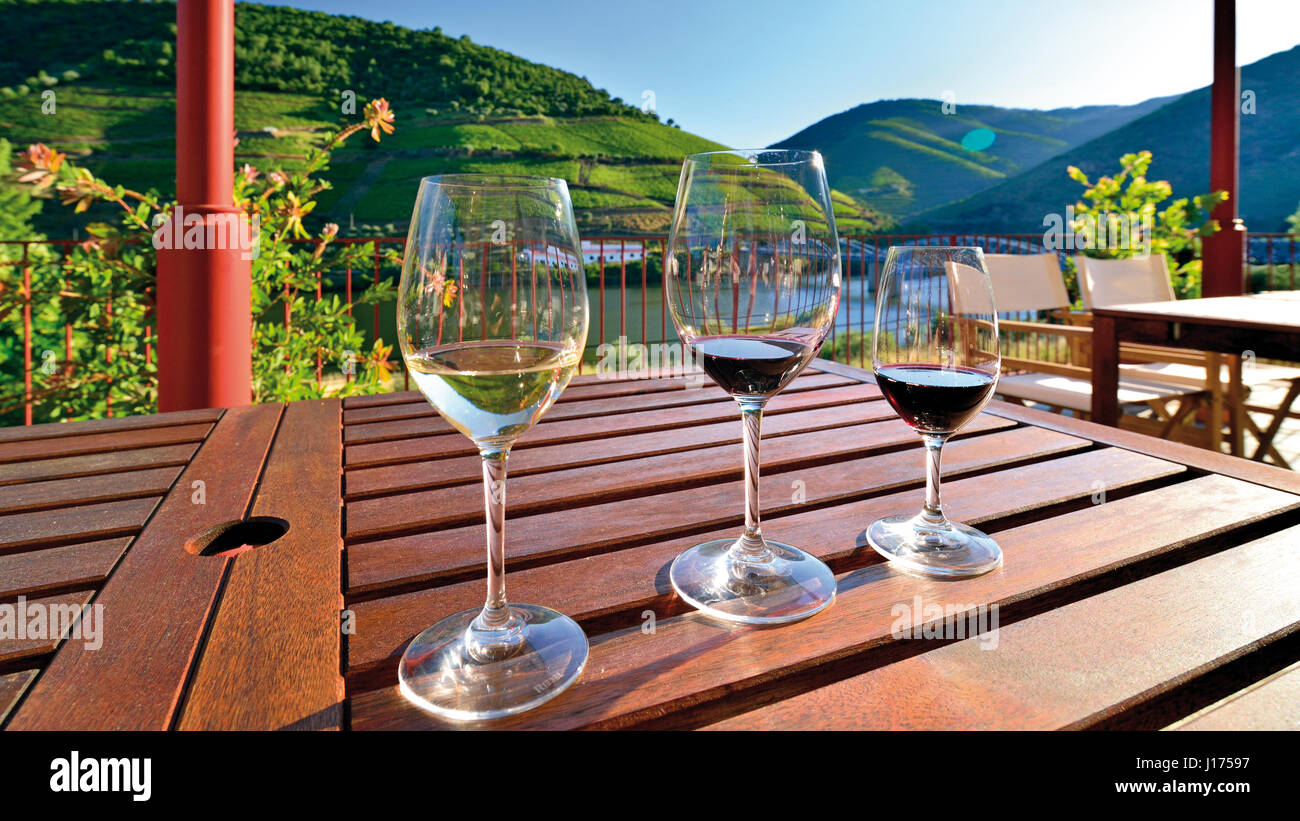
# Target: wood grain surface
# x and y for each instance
(1146, 584)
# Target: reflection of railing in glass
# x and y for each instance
(492, 330)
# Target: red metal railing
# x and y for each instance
(18, 255)
(1271, 262)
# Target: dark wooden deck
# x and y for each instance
(1145, 584)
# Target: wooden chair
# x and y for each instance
(1107, 282)
(1062, 380)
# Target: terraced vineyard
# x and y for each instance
(460, 107)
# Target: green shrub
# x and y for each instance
(117, 266)
(1176, 231)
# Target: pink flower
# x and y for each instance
(39, 164)
(436, 278)
(379, 117)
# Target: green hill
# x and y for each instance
(906, 156)
(460, 106)
(1178, 134)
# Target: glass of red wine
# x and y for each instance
(752, 277)
(936, 359)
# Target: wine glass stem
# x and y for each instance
(496, 613)
(933, 511)
(751, 544)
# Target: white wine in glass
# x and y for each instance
(492, 321)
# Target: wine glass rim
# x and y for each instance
(796, 155)
(488, 180)
(938, 247)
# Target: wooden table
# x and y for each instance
(1267, 325)
(1145, 584)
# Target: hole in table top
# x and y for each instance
(235, 537)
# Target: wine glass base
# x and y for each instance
(951, 551)
(437, 673)
(792, 585)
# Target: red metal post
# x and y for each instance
(108, 350)
(1222, 252)
(203, 303)
(27, 338)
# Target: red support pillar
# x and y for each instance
(203, 303)
(1222, 253)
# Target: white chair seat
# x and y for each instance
(1076, 394)
(1193, 376)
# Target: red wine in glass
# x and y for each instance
(935, 398)
(752, 365)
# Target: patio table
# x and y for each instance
(1145, 583)
(1266, 324)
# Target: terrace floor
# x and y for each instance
(1269, 395)
(1287, 441)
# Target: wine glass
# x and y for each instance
(492, 320)
(753, 282)
(935, 355)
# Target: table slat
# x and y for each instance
(114, 425)
(33, 449)
(97, 463)
(1077, 665)
(635, 679)
(61, 493)
(419, 450)
(271, 660)
(635, 579)
(25, 531)
(1194, 457)
(12, 687)
(74, 566)
(30, 648)
(393, 479)
(157, 602)
(1271, 704)
(607, 481)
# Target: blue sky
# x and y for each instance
(750, 73)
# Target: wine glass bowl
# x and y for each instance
(936, 358)
(492, 322)
(752, 279)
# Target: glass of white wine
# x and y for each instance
(492, 321)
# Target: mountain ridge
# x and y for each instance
(909, 155)
(1178, 135)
